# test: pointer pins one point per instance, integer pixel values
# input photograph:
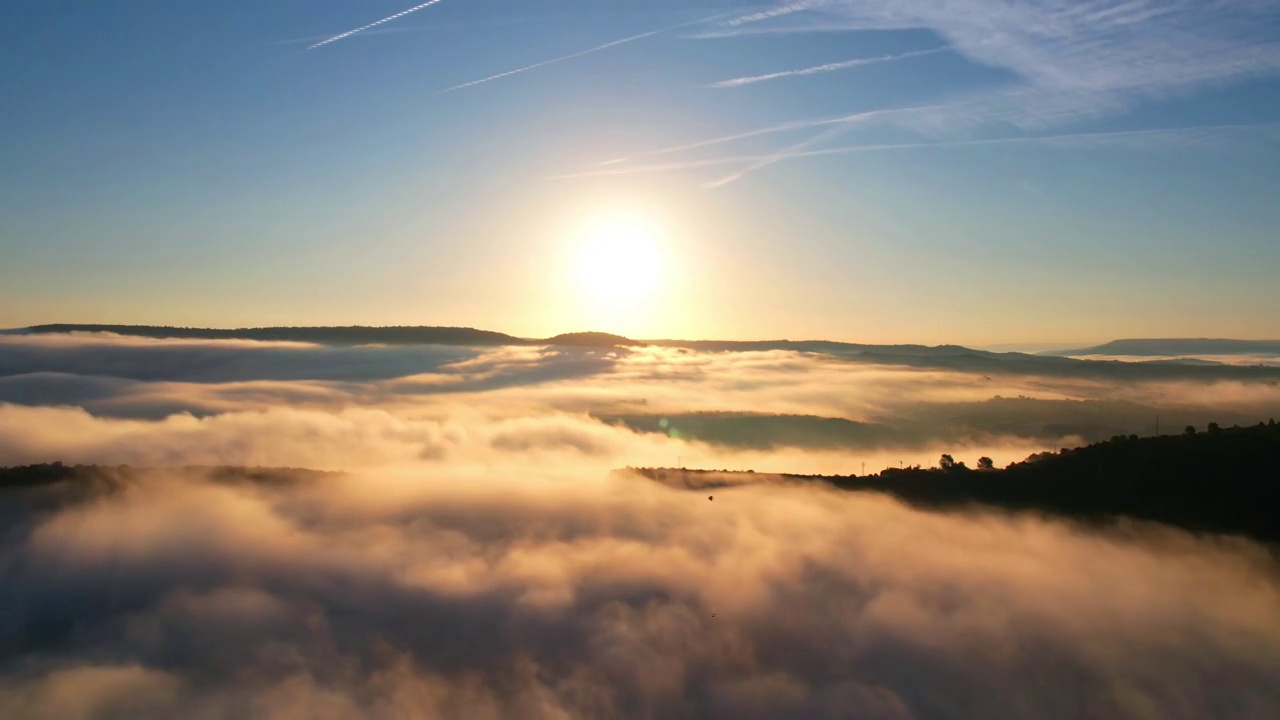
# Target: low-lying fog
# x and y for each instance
(479, 561)
(106, 399)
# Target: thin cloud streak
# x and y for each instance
(311, 39)
(349, 33)
(725, 32)
(824, 136)
(1194, 133)
(829, 67)
(553, 61)
(573, 56)
(1078, 61)
(851, 119)
(1074, 63)
(787, 9)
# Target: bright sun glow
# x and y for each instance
(619, 264)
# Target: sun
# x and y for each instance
(619, 264)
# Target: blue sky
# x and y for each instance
(967, 171)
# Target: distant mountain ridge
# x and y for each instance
(446, 335)
(340, 335)
(1175, 347)
(350, 335)
(940, 357)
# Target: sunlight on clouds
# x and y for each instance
(480, 559)
(372, 597)
(582, 411)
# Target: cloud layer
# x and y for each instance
(479, 560)
(538, 596)
(1063, 65)
(105, 399)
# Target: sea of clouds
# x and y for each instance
(477, 559)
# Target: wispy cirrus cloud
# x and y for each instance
(1087, 59)
(1070, 63)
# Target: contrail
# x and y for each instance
(851, 149)
(830, 67)
(787, 9)
(853, 119)
(349, 33)
(784, 154)
(563, 58)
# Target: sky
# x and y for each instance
(909, 171)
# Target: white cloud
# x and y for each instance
(1072, 62)
(149, 402)
(415, 595)
(479, 559)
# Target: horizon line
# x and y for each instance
(655, 340)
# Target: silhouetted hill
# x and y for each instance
(1221, 481)
(982, 362)
(941, 357)
(591, 339)
(1022, 364)
(821, 346)
(1177, 346)
(759, 430)
(115, 476)
(969, 423)
(1227, 481)
(355, 335)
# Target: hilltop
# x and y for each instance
(352, 335)
(1175, 347)
(940, 357)
(346, 335)
(592, 339)
(1221, 481)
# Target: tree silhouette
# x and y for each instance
(946, 462)
(1215, 427)
(1191, 430)
(986, 463)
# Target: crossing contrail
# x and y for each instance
(780, 156)
(1192, 133)
(362, 28)
(581, 53)
(856, 118)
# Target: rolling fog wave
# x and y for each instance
(411, 595)
(480, 561)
